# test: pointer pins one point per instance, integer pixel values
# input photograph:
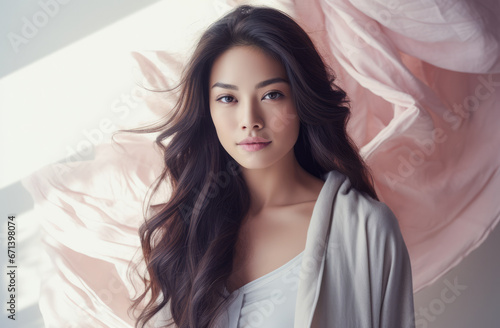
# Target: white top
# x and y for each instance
(266, 302)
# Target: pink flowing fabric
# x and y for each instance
(424, 80)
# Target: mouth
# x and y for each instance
(254, 146)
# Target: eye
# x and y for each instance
(273, 95)
(225, 99)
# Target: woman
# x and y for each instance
(272, 220)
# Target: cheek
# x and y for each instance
(223, 126)
(216, 120)
(285, 120)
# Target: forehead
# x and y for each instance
(245, 64)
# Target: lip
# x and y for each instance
(254, 143)
(254, 140)
(254, 146)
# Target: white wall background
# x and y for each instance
(60, 84)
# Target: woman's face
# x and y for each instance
(250, 97)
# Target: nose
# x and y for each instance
(251, 116)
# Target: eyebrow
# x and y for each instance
(258, 86)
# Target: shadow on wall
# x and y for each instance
(34, 29)
(466, 296)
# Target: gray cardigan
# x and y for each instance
(356, 271)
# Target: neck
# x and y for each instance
(277, 185)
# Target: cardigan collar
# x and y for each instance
(313, 259)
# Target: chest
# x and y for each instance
(267, 242)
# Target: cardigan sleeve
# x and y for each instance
(390, 272)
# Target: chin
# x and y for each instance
(256, 163)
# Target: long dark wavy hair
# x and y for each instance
(188, 243)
